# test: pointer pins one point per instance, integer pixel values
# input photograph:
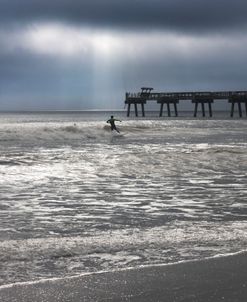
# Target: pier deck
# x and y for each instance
(173, 98)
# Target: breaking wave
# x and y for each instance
(55, 134)
(118, 249)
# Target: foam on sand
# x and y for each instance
(215, 279)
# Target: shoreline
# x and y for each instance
(221, 278)
(145, 266)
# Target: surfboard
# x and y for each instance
(116, 134)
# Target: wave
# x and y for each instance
(55, 134)
(57, 279)
(9, 163)
(121, 249)
(215, 148)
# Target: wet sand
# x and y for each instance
(217, 279)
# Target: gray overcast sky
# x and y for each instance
(71, 54)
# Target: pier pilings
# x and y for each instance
(238, 100)
(168, 101)
(136, 102)
(203, 99)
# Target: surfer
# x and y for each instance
(112, 121)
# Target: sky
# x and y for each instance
(85, 54)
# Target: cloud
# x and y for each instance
(176, 15)
(60, 41)
(63, 41)
(85, 68)
(87, 54)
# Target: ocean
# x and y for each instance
(76, 198)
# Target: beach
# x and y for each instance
(215, 279)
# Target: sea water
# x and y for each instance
(76, 198)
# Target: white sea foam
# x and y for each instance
(120, 249)
(74, 277)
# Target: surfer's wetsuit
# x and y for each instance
(112, 122)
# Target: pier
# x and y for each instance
(202, 100)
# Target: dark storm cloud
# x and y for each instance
(179, 15)
(59, 54)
